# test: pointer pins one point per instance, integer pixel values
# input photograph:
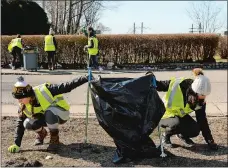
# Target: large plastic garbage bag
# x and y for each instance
(128, 110)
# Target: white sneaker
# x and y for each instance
(22, 68)
(13, 68)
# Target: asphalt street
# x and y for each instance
(77, 97)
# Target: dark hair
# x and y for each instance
(91, 31)
(90, 28)
(18, 36)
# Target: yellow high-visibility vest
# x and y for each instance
(49, 43)
(46, 100)
(94, 50)
(28, 110)
(15, 43)
(174, 101)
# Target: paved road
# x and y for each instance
(217, 99)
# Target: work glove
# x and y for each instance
(154, 78)
(150, 73)
(212, 145)
(14, 148)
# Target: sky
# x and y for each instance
(157, 16)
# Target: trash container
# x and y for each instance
(30, 58)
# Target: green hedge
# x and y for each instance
(127, 49)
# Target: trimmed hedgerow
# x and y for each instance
(126, 49)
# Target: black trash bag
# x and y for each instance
(128, 110)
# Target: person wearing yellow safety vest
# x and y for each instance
(183, 96)
(93, 49)
(42, 106)
(50, 47)
(15, 48)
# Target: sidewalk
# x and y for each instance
(64, 72)
(79, 111)
(5, 71)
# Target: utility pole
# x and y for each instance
(134, 28)
(191, 31)
(199, 29)
(142, 28)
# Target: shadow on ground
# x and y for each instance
(104, 154)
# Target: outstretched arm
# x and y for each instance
(19, 132)
(162, 86)
(66, 87)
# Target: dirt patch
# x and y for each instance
(100, 148)
(22, 162)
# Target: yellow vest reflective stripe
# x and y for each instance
(94, 50)
(49, 43)
(174, 101)
(28, 110)
(15, 43)
(46, 99)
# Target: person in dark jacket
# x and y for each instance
(42, 106)
(185, 95)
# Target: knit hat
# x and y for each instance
(201, 85)
(22, 89)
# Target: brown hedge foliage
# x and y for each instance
(127, 49)
(223, 47)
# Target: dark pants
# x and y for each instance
(51, 59)
(186, 126)
(16, 52)
(93, 61)
(52, 118)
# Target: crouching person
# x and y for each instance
(42, 106)
(185, 95)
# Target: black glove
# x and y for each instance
(212, 145)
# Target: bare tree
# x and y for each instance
(67, 16)
(102, 28)
(206, 13)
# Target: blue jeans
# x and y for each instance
(93, 61)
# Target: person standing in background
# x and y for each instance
(92, 48)
(50, 46)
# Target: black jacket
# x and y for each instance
(55, 89)
(201, 118)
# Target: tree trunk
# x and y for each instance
(57, 16)
(69, 18)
